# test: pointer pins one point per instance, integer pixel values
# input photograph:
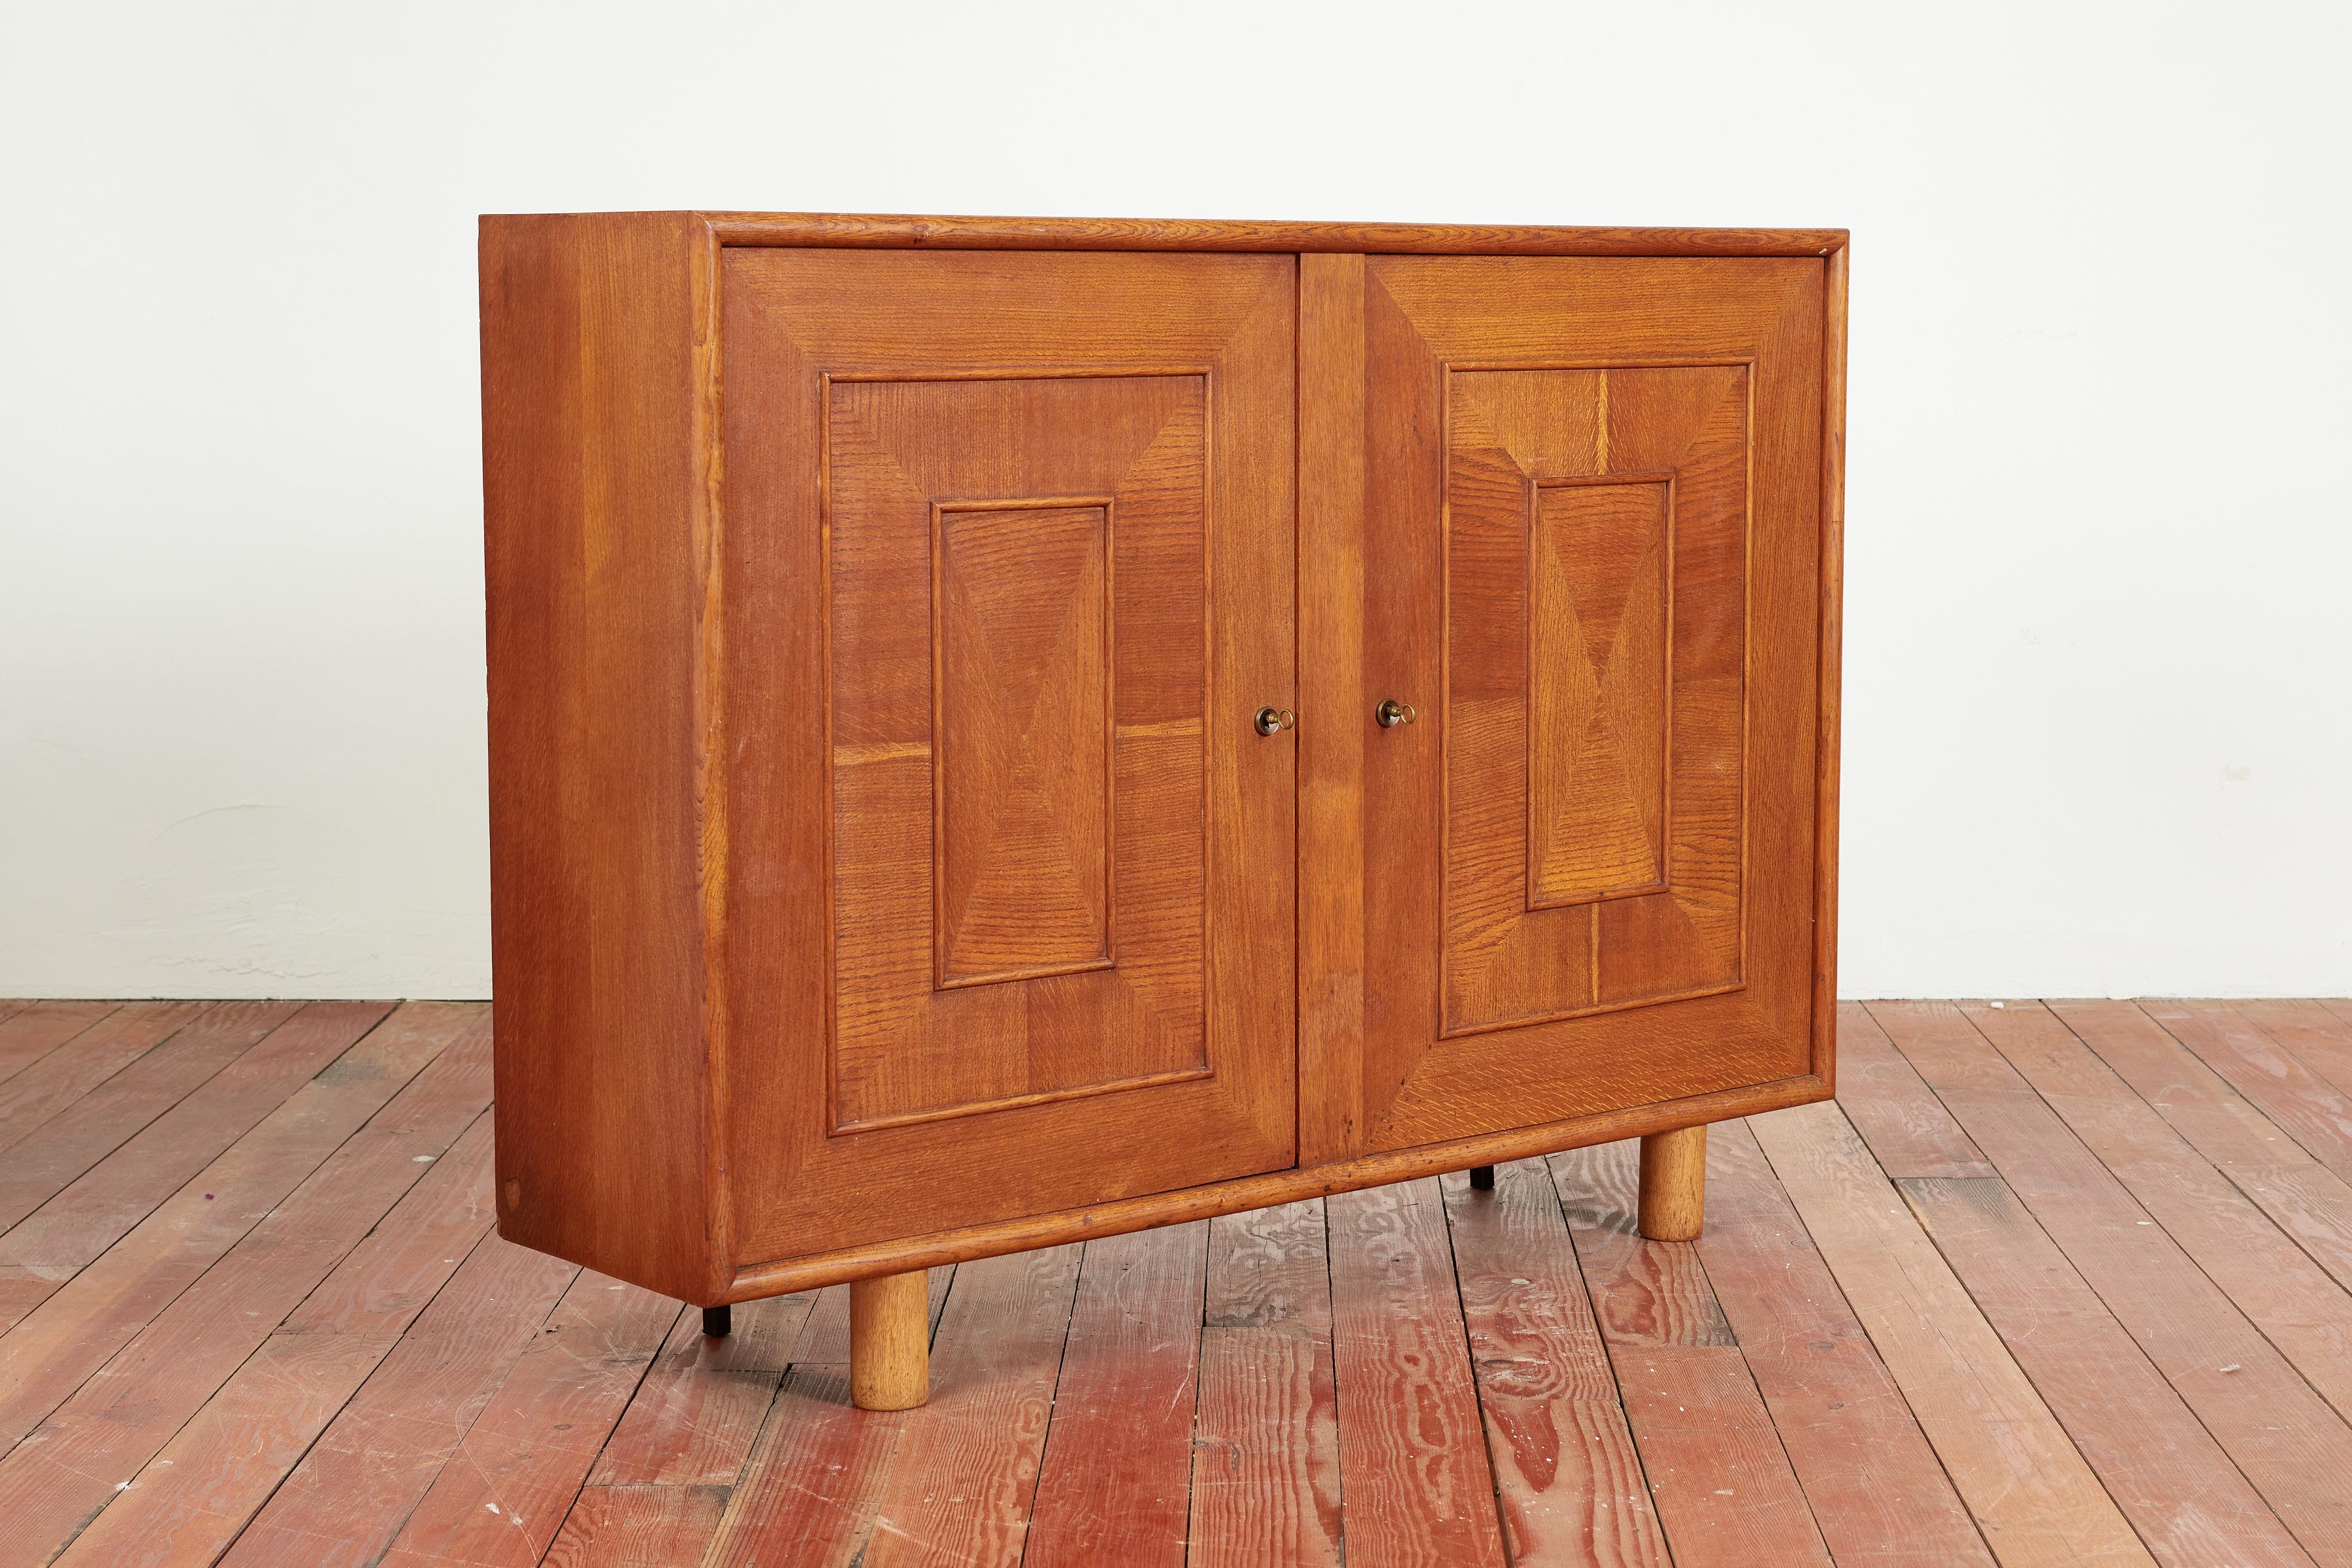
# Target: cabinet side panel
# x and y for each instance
(592, 495)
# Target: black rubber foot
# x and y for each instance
(1482, 1178)
(717, 1321)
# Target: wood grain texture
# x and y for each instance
(1198, 234)
(1907, 1127)
(1873, 1481)
(2026, 1486)
(2277, 1428)
(2300, 1196)
(1723, 1487)
(889, 1342)
(864, 391)
(33, 1097)
(1337, 690)
(1116, 1477)
(39, 1027)
(1568, 1481)
(1414, 1472)
(596, 529)
(693, 1420)
(502, 1494)
(2318, 1037)
(199, 1490)
(1266, 1451)
(809, 1488)
(1673, 1203)
(1018, 644)
(2280, 1281)
(51, 1158)
(637, 1527)
(342, 1505)
(966, 1471)
(99, 1309)
(1008, 425)
(131, 1407)
(1252, 1192)
(1490, 381)
(2312, 1111)
(2174, 1483)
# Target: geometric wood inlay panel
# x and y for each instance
(1020, 762)
(1595, 645)
(1597, 690)
(1019, 667)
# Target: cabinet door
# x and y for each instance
(1008, 556)
(1569, 510)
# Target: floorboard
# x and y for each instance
(2063, 1283)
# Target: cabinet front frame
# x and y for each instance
(1330, 262)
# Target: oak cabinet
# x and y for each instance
(1006, 731)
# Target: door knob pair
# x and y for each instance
(1390, 714)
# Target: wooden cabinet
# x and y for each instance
(903, 845)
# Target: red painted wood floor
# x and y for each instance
(2051, 1284)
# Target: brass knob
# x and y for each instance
(1274, 721)
(1391, 713)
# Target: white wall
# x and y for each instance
(2098, 637)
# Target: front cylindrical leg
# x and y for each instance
(1482, 1178)
(890, 1342)
(1674, 1183)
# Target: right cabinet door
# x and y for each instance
(1578, 533)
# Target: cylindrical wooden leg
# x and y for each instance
(1482, 1178)
(1674, 1183)
(890, 1342)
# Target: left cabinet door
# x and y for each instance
(1007, 547)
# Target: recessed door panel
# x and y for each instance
(1589, 561)
(1009, 558)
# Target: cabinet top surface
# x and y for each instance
(890, 231)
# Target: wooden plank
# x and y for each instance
(64, 1472)
(693, 1421)
(2320, 1039)
(500, 1497)
(1266, 1450)
(638, 1527)
(2307, 1107)
(345, 1502)
(1722, 1484)
(32, 1097)
(27, 1035)
(2268, 1273)
(47, 1162)
(1268, 1267)
(1414, 1465)
(1715, 1469)
(1569, 1482)
(1644, 1292)
(1116, 1477)
(2030, 1491)
(1266, 1447)
(2173, 1481)
(100, 1309)
(1875, 1488)
(809, 1489)
(1898, 1115)
(967, 1465)
(68, 1231)
(2299, 1195)
(2282, 1433)
(191, 1500)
